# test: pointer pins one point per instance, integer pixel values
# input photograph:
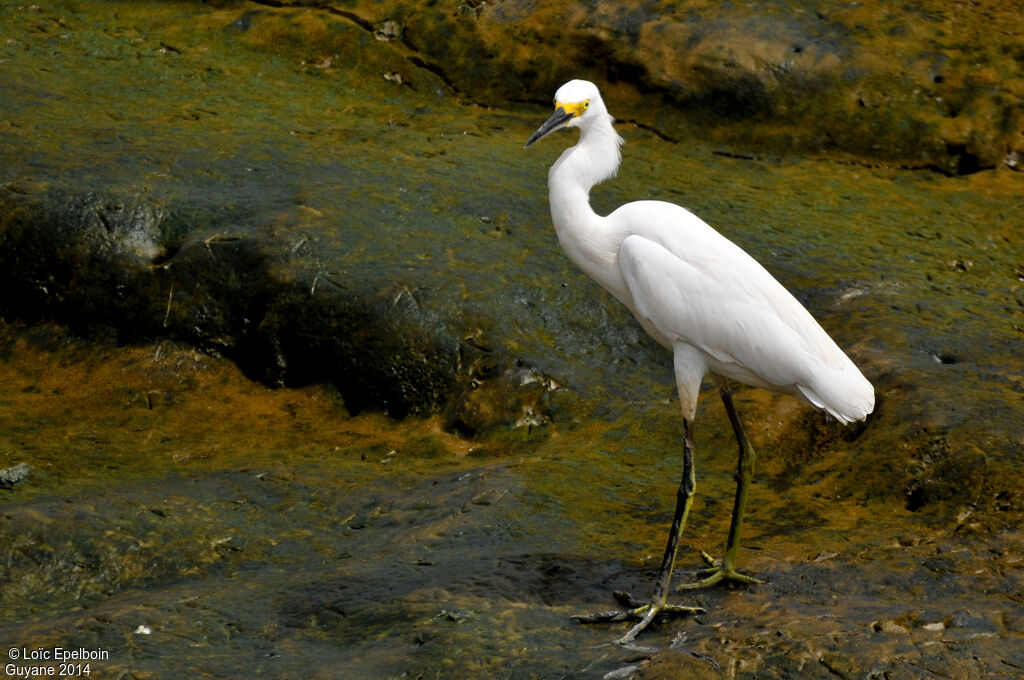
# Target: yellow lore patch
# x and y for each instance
(575, 108)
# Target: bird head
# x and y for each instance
(575, 102)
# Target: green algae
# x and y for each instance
(248, 525)
(282, 535)
(919, 84)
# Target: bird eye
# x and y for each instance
(586, 104)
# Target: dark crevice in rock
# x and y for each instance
(124, 271)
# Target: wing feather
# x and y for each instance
(691, 285)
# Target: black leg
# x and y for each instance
(684, 500)
(744, 474)
(659, 604)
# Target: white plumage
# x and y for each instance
(690, 286)
(693, 290)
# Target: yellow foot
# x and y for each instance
(635, 610)
(716, 573)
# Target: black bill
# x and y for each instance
(557, 120)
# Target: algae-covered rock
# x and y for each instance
(104, 264)
(258, 194)
(925, 85)
(922, 85)
(313, 194)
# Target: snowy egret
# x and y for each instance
(701, 296)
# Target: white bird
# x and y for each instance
(701, 296)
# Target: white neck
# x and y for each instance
(584, 235)
(593, 159)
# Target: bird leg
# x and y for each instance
(658, 604)
(726, 570)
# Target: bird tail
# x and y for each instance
(845, 393)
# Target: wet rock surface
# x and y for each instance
(191, 522)
(252, 252)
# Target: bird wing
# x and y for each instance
(695, 287)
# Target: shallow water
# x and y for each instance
(268, 532)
